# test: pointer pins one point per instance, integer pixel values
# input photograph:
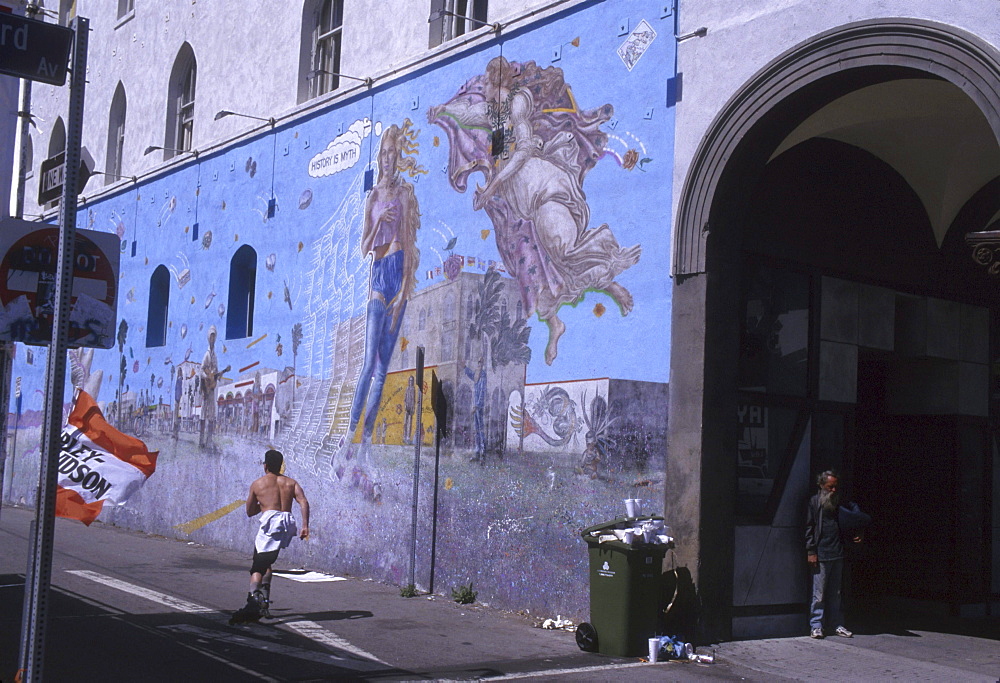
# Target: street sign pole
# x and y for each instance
(39, 574)
(416, 464)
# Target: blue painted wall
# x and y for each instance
(533, 451)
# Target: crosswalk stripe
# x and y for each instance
(154, 596)
(309, 629)
(316, 633)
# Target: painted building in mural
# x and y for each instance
(489, 207)
(690, 252)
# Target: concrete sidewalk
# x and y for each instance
(371, 633)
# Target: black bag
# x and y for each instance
(851, 519)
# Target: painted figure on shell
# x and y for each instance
(392, 217)
(541, 148)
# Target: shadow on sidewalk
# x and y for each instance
(89, 641)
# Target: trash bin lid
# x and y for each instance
(619, 523)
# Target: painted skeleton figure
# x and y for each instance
(534, 184)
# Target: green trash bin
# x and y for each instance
(624, 591)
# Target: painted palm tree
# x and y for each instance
(503, 340)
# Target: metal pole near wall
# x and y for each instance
(24, 114)
(39, 576)
(416, 463)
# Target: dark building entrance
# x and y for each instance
(926, 481)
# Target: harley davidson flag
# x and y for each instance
(97, 463)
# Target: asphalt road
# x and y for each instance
(127, 606)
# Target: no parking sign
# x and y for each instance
(28, 284)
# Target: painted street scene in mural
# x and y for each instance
(491, 213)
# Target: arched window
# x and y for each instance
(444, 27)
(319, 58)
(180, 102)
(125, 8)
(67, 11)
(242, 285)
(159, 298)
(449, 306)
(116, 135)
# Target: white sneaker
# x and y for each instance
(817, 633)
(844, 633)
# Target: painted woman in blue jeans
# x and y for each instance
(392, 217)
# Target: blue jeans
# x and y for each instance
(826, 595)
(380, 340)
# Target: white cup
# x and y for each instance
(629, 537)
(630, 507)
(637, 502)
(654, 650)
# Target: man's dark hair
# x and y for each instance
(273, 460)
(823, 476)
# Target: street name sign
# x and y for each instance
(34, 50)
(50, 182)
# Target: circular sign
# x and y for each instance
(28, 290)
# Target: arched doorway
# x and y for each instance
(843, 323)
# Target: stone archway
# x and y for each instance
(921, 46)
(743, 136)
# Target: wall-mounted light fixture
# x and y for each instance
(225, 112)
(153, 148)
(985, 246)
(115, 175)
(439, 13)
(700, 32)
(367, 80)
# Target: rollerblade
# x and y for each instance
(250, 613)
(264, 600)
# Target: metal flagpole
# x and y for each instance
(39, 574)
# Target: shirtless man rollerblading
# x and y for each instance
(271, 495)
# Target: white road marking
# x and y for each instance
(155, 596)
(270, 646)
(309, 629)
(315, 632)
(578, 670)
(308, 577)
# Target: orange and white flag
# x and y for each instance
(97, 463)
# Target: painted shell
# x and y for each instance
(305, 199)
(184, 330)
(271, 260)
(206, 239)
(222, 310)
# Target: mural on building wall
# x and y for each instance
(296, 299)
(534, 163)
